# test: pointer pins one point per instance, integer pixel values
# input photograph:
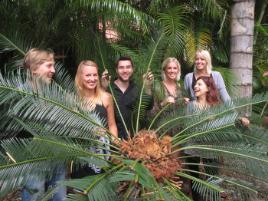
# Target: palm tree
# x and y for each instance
(242, 31)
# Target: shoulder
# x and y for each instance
(188, 76)
(106, 95)
(216, 74)
(106, 98)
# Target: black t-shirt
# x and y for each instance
(126, 102)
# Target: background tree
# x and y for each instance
(242, 33)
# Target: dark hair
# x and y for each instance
(123, 58)
(212, 96)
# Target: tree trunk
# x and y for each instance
(242, 29)
(242, 32)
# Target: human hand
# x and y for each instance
(186, 100)
(148, 79)
(168, 100)
(245, 121)
(265, 74)
(105, 79)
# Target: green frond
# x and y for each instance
(13, 42)
(174, 23)
(97, 187)
(75, 197)
(153, 51)
(142, 174)
(196, 39)
(64, 78)
(122, 50)
(175, 193)
(145, 106)
(207, 190)
(215, 124)
(60, 107)
(214, 9)
(115, 6)
(22, 165)
(229, 79)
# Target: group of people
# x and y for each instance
(204, 88)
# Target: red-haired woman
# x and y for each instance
(206, 94)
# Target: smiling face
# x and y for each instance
(171, 71)
(124, 70)
(200, 62)
(200, 88)
(45, 71)
(89, 77)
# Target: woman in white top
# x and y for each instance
(203, 67)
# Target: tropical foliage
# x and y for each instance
(63, 130)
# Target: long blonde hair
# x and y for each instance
(166, 62)
(79, 86)
(206, 55)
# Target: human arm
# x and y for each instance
(188, 80)
(108, 103)
(217, 77)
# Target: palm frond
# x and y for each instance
(214, 9)
(63, 77)
(174, 23)
(97, 187)
(205, 189)
(153, 52)
(58, 106)
(196, 39)
(13, 42)
(118, 7)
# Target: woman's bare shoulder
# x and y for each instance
(107, 97)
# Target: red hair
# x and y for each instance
(212, 96)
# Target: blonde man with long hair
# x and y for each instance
(41, 65)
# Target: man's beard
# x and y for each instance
(124, 80)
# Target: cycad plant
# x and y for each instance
(149, 166)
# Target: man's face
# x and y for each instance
(45, 71)
(124, 70)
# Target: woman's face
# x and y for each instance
(200, 62)
(172, 71)
(89, 77)
(200, 88)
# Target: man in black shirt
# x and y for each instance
(126, 93)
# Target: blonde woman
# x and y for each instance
(168, 91)
(203, 67)
(97, 100)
